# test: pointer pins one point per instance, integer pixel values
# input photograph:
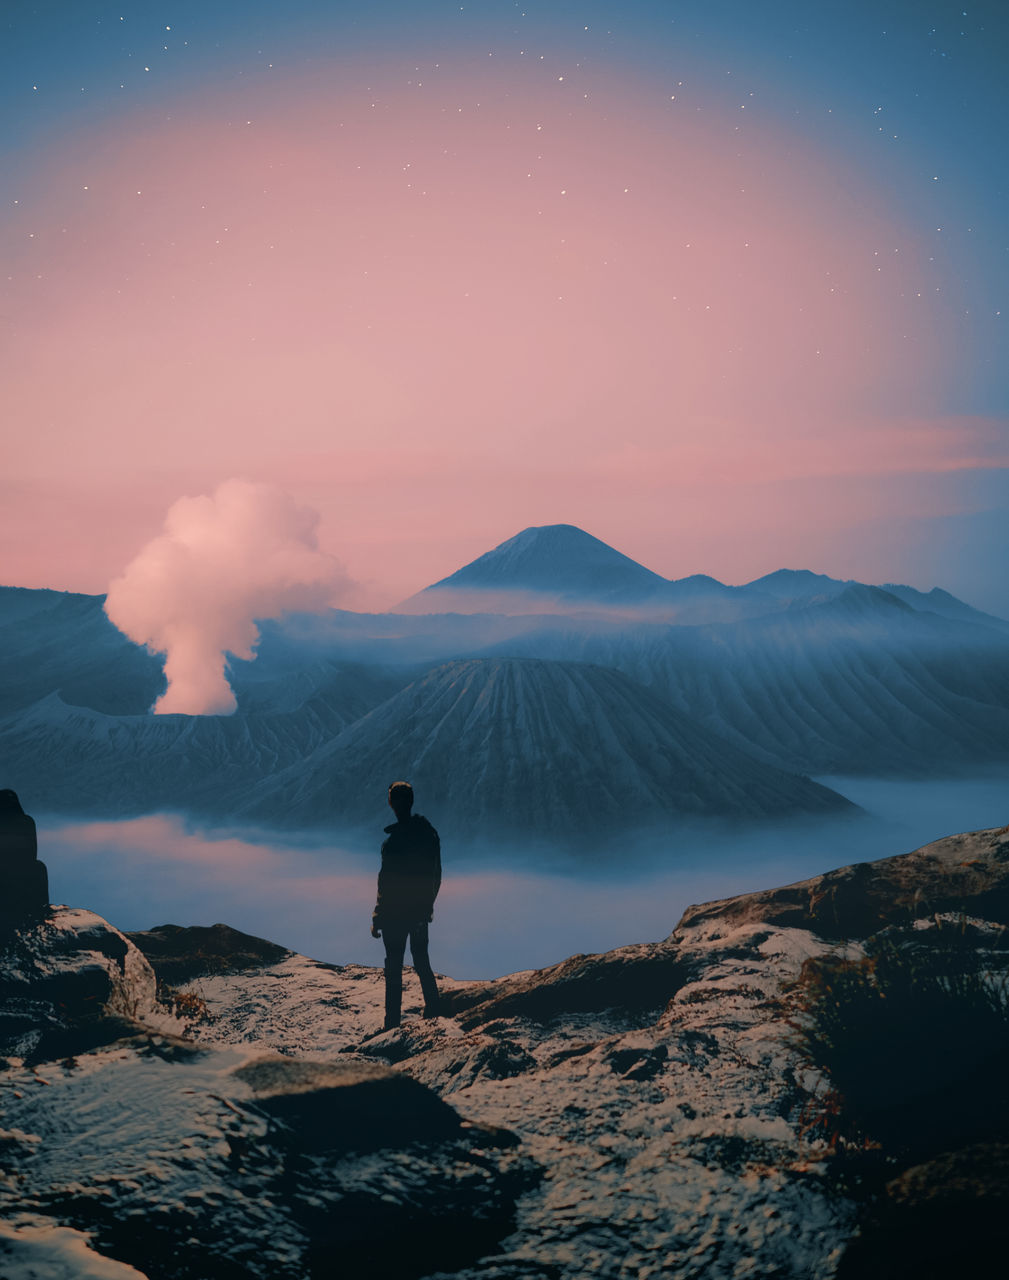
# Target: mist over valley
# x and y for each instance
(559, 720)
(791, 724)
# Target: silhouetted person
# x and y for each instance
(24, 882)
(408, 884)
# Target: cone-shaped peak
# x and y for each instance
(558, 558)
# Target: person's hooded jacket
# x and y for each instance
(410, 877)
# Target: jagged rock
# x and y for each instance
(480, 1057)
(968, 872)
(178, 954)
(69, 982)
(638, 1064)
(960, 1178)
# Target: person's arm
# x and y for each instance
(376, 915)
(435, 870)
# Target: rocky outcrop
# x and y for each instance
(348, 1106)
(24, 880)
(689, 1089)
(626, 980)
(69, 982)
(968, 872)
(38, 1250)
(644, 1112)
(128, 1150)
(946, 1216)
(215, 1164)
(178, 954)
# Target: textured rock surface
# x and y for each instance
(641, 976)
(348, 1106)
(125, 1148)
(656, 1090)
(194, 1164)
(71, 981)
(667, 1121)
(178, 953)
(945, 1217)
(956, 873)
(37, 1250)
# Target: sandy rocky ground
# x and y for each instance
(635, 1114)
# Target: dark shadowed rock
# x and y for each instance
(24, 881)
(348, 1106)
(967, 872)
(947, 1216)
(488, 1055)
(41, 1250)
(178, 954)
(629, 979)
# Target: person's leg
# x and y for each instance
(394, 937)
(421, 963)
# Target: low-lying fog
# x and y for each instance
(492, 917)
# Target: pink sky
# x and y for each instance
(437, 314)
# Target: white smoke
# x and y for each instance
(248, 551)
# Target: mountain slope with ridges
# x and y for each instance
(862, 683)
(523, 745)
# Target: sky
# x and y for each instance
(722, 283)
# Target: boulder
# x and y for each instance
(348, 1106)
(69, 982)
(631, 979)
(178, 954)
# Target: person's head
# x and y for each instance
(9, 802)
(401, 799)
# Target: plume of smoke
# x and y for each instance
(247, 551)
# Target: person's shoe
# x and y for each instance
(432, 1011)
(390, 1024)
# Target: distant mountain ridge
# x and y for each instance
(597, 711)
(549, 568)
